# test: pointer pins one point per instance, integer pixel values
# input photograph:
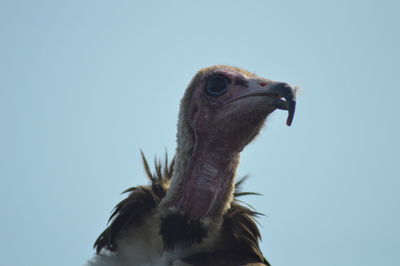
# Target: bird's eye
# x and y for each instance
(217, 85)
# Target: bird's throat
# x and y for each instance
(208, 183)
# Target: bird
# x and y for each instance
(190, 214)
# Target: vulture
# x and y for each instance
(189, 214)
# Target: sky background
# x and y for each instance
(84, 85)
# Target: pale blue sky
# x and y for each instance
(85, 84)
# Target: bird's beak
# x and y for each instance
(281, 95)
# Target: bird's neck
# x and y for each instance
(203, 185)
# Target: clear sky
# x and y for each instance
(85, 84)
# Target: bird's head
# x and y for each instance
(222, 110)
(225, 106)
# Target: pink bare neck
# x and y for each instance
(207, 188)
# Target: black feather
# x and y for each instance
(178, 229)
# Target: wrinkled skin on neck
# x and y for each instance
(208, 183)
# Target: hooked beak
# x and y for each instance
(282, 94)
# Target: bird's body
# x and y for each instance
(134, 233)
(189, 215)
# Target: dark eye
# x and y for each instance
(217, 85)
